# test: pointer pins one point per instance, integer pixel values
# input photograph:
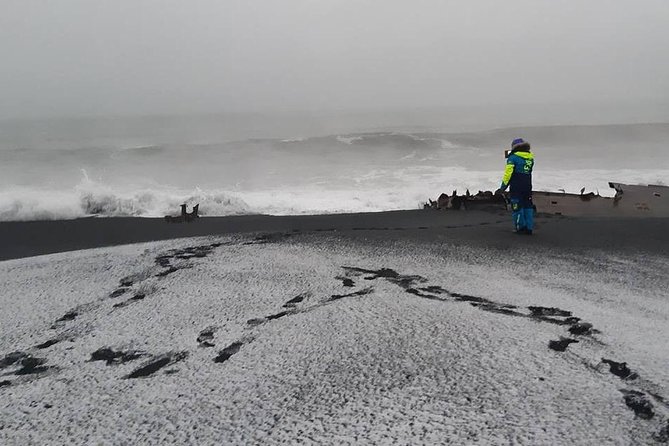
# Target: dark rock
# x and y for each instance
(5, 383)
(348, 282)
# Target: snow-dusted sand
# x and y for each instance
(336, 338)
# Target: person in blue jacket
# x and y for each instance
(518, 176)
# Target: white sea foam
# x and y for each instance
(374, 190)
(348, 140)
(92, 198)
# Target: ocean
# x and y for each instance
(251, 164)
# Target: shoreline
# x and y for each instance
(490, 229)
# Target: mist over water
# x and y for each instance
(241, 164)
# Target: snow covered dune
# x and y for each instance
(323, 338)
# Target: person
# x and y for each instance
(518, 176)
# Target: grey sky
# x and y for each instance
(77, 57)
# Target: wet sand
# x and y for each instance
(490, 229)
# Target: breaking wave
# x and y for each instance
(335, 173)
(89, 198)
(378, 190)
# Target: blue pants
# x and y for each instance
(522, 212)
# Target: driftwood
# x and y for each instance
(185, 217)
(456, 202)
(629, 200)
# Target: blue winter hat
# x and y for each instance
(519, 143)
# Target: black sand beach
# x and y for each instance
(480, 228)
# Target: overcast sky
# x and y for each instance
(78, 57)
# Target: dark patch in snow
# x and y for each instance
(561, 345)
(581, 328)
(69, 316)
(118, 292)
(620, 369)
(497, 308)
(362, 292)
(277, 315)
(48, 343)
(228, 351)
(156, 364)
(269, 238)
(406, 282)
(296, 300)
(256, 321)
(163, 261)
(168, 271)
(662, 436)
(206, 337)
(418, 293)
(5, 383)
(347, 282)
(469, 298)
(639, 403)
(126, 282)
(434, 289)
(385, 273)
(553, 315)
(31, 365)
(548, 311)
(115, 357)
(12, 358)
(190, 252)
(135, 298)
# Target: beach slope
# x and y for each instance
(408, 328)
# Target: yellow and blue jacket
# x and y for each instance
(518, 172)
